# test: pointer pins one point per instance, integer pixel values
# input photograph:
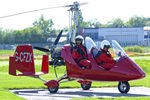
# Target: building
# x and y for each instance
(125, 36)
(147, 36)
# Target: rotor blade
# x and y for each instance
(42, 49)
(39, 10)
(30, 11)
(84, 3)
(58, 37)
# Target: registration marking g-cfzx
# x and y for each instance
(23, 57)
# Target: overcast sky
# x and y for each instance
(103, 10)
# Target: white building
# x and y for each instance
(125, 36)
(147, 36)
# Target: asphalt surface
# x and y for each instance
(67, 94)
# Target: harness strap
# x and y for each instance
(98, 54)
(100, 63)
(81, 51)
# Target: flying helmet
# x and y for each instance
(105, 44)
(79, 38)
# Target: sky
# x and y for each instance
(102, 10)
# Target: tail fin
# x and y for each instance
(23, 61)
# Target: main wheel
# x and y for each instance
(86, 86)
(53, 90)
(123, 87)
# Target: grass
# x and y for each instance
(138, 49)
(4, 54)
(10, 52)
(6, 95)
(11, 82)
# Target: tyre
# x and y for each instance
(123, 87)
(53, 90)
(86, 86)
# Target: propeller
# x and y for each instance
(30, 11)
(54, 45)
(58, 37)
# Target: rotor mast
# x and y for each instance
(74, 20)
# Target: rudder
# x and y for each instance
(22, 60)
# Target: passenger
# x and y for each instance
(104, 58)
(79, 53)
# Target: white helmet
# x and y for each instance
(79, 37)
(104, 44)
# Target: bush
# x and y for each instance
(135, 49)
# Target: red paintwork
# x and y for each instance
(84, 82)
(52, 84)
(23, 61)
(12, 68)
(124, 70)
(45, 64)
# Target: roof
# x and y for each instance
(146, 28)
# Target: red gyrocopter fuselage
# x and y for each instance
(124, 70)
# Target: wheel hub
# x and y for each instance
(123, 87)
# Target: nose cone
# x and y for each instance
(140, 73)
(137, 71)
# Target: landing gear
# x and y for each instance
(53, 86)
(53, 90)
(86, 86)
(124, 87)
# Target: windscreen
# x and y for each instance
(89, 43)
(118, 51)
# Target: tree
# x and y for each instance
(148, 22)
(19, 36)
(136, 21)
(31, 35)
(1, 36)
(91, 23)
(44, 25)
(116, 23)
(8, 36)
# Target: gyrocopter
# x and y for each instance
(124, 70)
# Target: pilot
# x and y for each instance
(104, 58)
(79, 53)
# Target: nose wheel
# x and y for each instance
(124, 87)
(53, 90)
(86, 86)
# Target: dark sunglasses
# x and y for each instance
(107, 46)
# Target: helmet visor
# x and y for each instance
(107, 46)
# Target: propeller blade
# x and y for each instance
(58, 37)
(42, 49)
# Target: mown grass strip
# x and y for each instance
(7, 95)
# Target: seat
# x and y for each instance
(94, 52)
